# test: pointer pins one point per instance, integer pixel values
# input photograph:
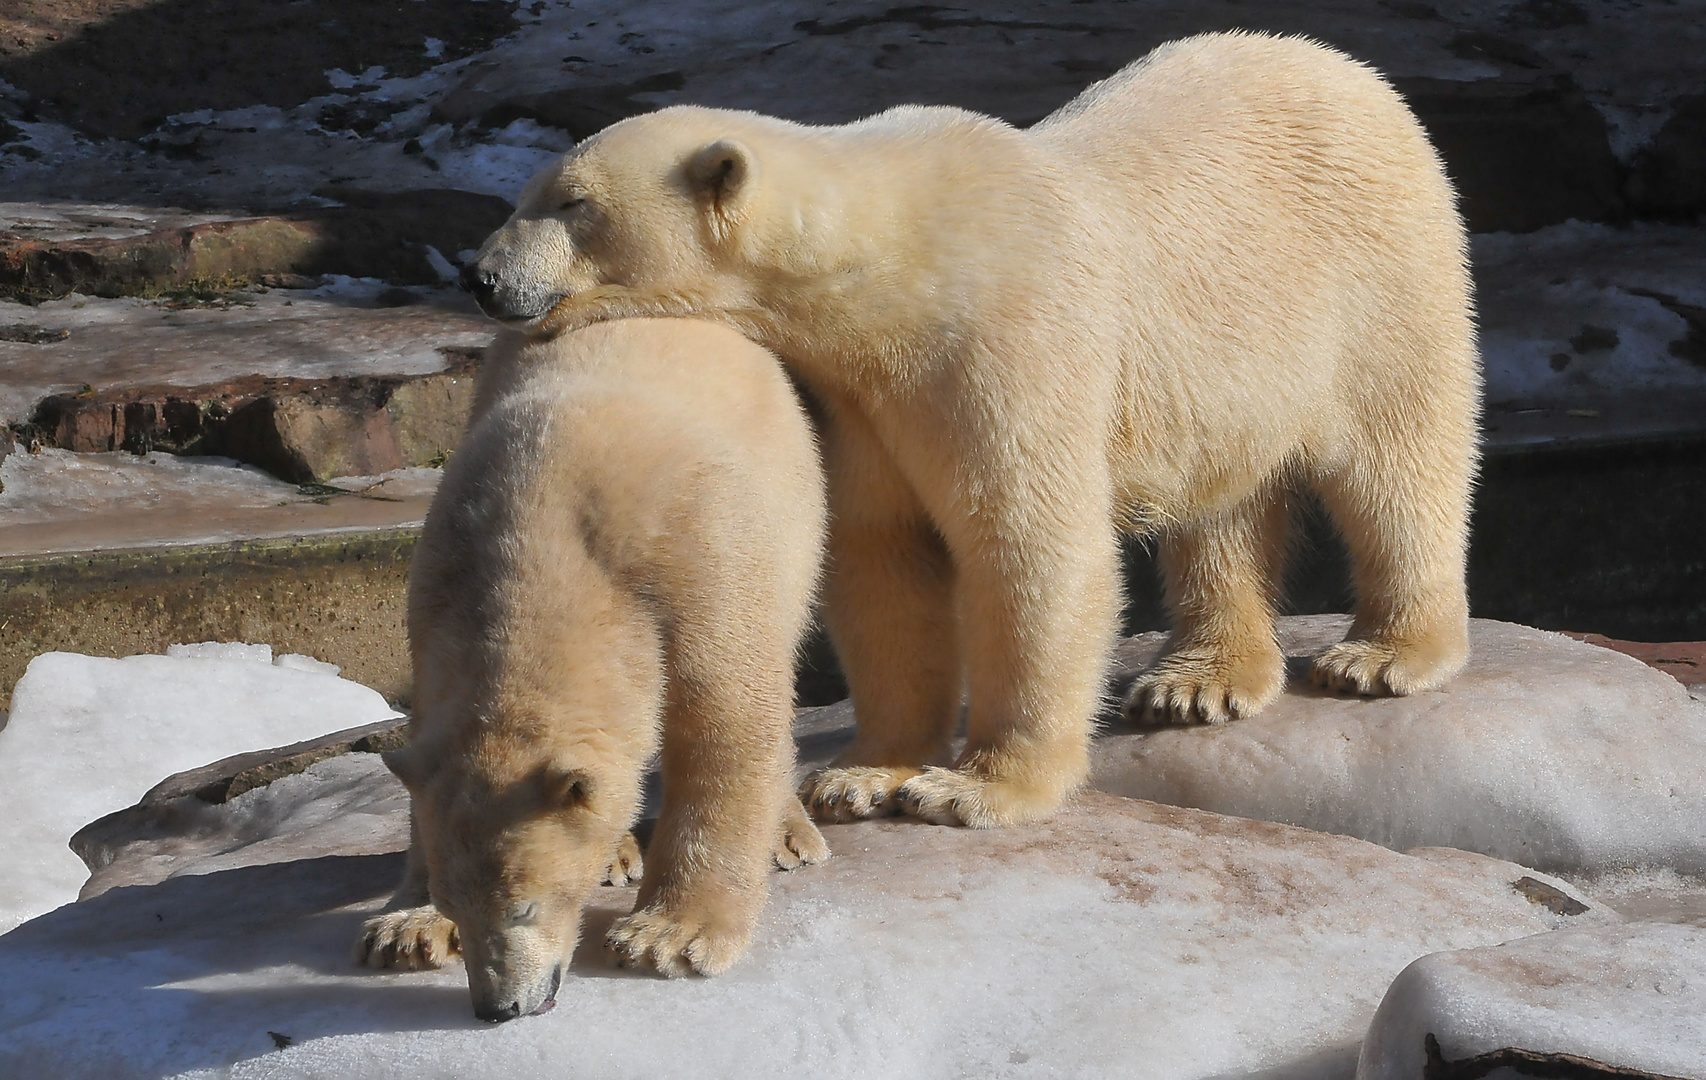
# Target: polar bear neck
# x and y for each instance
(869, 236)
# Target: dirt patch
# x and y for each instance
(119, 68)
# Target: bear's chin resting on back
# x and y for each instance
(1230, 273)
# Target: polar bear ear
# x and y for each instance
(723, 173)
(406, 764)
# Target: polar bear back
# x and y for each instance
(658, 467)
(1288, 252)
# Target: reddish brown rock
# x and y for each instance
(301, 430)
(1685, 660)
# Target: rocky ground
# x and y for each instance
(1124, 937)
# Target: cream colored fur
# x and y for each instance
(1230, 272)
(623, 554)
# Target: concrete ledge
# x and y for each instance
(339, 597)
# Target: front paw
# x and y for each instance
(854, 792)
(411, 938)
(964, 796)
(678, 942)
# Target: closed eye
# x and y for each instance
(524, 913)
(570, 205)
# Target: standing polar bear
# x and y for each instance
(623, 550)
(1233, 269)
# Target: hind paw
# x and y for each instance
(1205, 688)
(626, 866)
(854, 792)
(798, 843)
(1374, 668)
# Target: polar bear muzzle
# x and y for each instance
(514, 278)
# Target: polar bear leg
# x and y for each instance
(410, 932)
(888, 603)
(1222, 661)
(1405, 522)
(1038, 619)
(727, 754)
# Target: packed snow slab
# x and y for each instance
(1544, 751)
(90, 735)
(57, 501)
(1120, 938)
(1619, 997)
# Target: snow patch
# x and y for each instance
(298, 662)
(531, 133)
(90, 735)
(1631, 128)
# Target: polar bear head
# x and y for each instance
(670, 213)
(514, 844)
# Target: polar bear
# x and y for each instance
(624, 549)
(1232, 271)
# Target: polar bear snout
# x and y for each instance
(506, 297)
(522, 270)
(500, 1002)
(482, 285)
(516, 974)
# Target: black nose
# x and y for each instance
(498, 1016)
(479, 282)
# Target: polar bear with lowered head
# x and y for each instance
(1229, 272)
(623, 551)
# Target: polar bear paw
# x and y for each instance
(626, 866)
(798, 843)
(854, 792)
(1204, 688)
(675, 943)
(1374, 668)
(413, 938)
(963, 797)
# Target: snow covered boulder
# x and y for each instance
(1119, 939)
(1575, 1003)
(89, 735)
(1544, 751)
